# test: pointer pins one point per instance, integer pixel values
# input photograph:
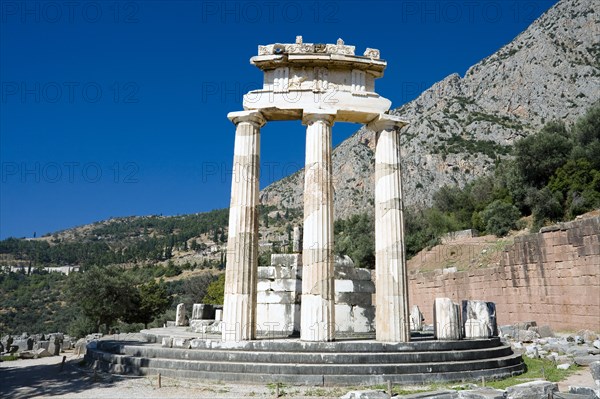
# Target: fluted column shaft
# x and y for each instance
(391, 291)
(239, 308)
(318, 308)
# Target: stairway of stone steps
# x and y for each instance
(324, 363)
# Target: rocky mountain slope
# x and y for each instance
(459, 126)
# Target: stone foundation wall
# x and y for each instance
(552, 277)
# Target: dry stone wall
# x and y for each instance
(552, 277)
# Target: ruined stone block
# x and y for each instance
(479, 319)
(201, 311)
(446, 319)
(180, 318)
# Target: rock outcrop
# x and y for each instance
(460, 126)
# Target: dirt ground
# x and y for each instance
(42, 378)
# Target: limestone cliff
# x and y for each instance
(460, 125)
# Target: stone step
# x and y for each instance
(352, 346)
(354, 368)
(315, 358)
(347, 362)
(336, 380)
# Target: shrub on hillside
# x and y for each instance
(500, 217)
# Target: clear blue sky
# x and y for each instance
(117, 108)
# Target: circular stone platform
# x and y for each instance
(342, 362)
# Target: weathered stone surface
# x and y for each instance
(297, 239)
(586, 360)
(21, 344)
(595, 371)
(167, 342)
(180, 319)
(200, 326)
(318, 307)
(279, 272)
(179, 342)
(441, 394)
(80, 347)
(277, 297)
(416, 318)
(278, 302)
(531, 390)
(526, 335)
(479, 319)
(201, 311)
(239, 306)
(350, 272)
(532, 351)
(281, 284)
(41, 352)
(508, 331)
(54, 347)
(482, 393)
(585, 392)
(545, 331)
(277, 316)
(26, 354)
(372, 394)
(587, 335)
(354, 286)
(446, 319)
(392, 316)
(568, 395)
(526, 325)
(286, 260)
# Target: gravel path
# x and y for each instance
(42, 378)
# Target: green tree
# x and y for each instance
(587, 137)
(546, 206)
(104, 295)
(538, 156)
(355, 237)
(152, 299)
(215, 293)
(500, 217)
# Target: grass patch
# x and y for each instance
(9, 358)
(398, 389)
(535, 369)
(326, 392)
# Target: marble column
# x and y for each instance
(391, 291)
(239, 308)
(317, 322)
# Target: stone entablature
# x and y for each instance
(302, 76)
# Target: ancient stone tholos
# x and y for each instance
(319, 84)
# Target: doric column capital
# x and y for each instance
(310, 116)
(254, 117)
(386, 122)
